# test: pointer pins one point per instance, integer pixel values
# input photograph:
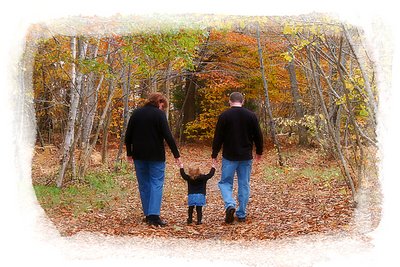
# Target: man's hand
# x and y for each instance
(130, 159)
(258, 158)
(213, 162)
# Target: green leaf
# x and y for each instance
(287, 56)
(287, 29)
(364, 113)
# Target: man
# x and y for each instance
(236, 131)
(144, 140)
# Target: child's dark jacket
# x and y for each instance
(197, 185)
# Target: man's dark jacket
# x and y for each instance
(236, 131)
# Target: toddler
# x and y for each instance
(196, 190)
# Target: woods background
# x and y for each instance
(308, 78)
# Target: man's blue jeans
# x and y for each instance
(243, 170)
(150, 176)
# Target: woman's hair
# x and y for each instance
(194, 172)
(155, 99)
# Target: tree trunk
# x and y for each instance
(106, 124)
(188, 110)
(41, 141)
(367, 86)
(360, 162)
(126, 94)
(87, 154)
(168, 86)
(187, 113)
(47, 120)
(74, 102)
(104, 143)
(92, 103)
(267, 102)
(297, 102)
(89, 104)
(331, 129)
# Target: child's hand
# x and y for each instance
(179, 162)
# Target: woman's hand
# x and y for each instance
(179, 162)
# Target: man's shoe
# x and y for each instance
(229, 214)
(242, 219)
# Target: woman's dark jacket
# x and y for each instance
(147, 129)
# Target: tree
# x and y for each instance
(75, 90)
(267, 101)
(297, 101)
(229, 64)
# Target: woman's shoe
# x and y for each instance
(156, 221)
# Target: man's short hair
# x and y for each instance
(236, 97)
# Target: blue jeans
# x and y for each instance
(150, 176)
(243, 170)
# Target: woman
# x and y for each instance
(144, 141)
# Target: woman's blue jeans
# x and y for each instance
(243, 170)
(150, 176)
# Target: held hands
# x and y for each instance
(213, 162)
(179, 163)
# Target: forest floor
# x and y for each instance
(307, 196)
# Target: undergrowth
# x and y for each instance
(97, 191)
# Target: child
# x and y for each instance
(196, 191)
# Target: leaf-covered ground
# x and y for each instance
(307, 196)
